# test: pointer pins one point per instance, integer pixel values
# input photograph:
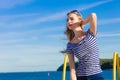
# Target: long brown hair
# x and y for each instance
(70, 34)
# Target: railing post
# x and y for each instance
(64, 67)
(116, 64)
(118, 67)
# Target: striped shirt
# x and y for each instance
(87, 53)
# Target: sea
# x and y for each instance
(45, 75)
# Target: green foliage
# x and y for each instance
(67, 67)
(106, 63)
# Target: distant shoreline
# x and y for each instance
(106, 64)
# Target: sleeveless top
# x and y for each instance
(87, 53)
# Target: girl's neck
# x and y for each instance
(78, 31)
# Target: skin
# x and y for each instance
(73, 23)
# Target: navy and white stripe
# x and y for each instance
(87, 53)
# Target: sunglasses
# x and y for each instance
(72, 12)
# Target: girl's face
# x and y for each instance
(73, 21)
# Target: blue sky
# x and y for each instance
(32, 31)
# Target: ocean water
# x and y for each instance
(47, 75)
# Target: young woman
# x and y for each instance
(83, 45)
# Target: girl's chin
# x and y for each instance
(70, 27)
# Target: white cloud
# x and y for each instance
(31, 36)
(109, 35)
(109, 21)
(29, 48)
(6, 18)
(32, 21)
(84, 7)
(6, 4)
(29, 57)
(36, 32)
(30, 63)
(15, 40)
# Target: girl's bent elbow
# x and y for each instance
(93, 15)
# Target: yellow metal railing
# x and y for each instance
(64, 67)
(116, 65)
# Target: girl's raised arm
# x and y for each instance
(92, 19)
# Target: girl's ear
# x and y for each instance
(82, 24)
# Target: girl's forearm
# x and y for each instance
(89, 18)
(73, 75)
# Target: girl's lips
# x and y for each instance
(70, 25)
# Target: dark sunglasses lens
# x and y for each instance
(73, 11)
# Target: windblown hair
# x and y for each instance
(70, 34)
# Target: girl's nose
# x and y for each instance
(69, 21)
